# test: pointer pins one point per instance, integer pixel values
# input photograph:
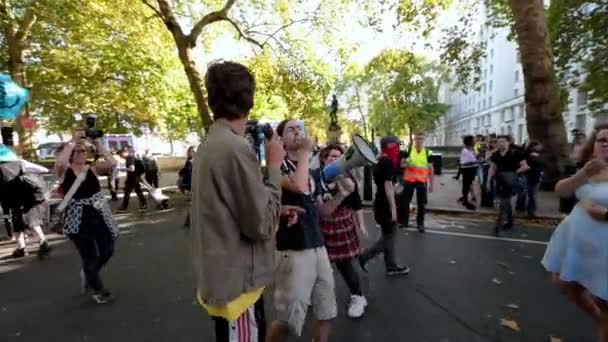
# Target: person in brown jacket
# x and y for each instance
(235, 210)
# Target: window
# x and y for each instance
(516, 75)
(478, 106)
(518, 56)
(520, 133)
(483, 89)
(485, 73)
(581, 99)
(581, 122)
(491, 53)
(491, 69)
(490, 102)
(502, 116)
(522, 112)
(509, 130)
(488, 119)
(515, 92)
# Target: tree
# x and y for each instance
(580, 42)
(403, 93)
(17, 21)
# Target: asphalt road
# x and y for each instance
(451, 294)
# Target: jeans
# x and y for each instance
(421, 200)
(348, 272)
(95, 245)
(505, 212)
(130, 185)
(385, 245)
(528, 199)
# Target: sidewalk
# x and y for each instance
(447, 191)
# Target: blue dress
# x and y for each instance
(578, 249)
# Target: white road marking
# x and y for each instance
(477, 236)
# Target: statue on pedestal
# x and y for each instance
(334, 131)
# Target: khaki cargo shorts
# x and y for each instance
(304, 278)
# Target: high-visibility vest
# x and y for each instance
(417, 169)
(477, 147)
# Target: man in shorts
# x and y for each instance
(304, 276)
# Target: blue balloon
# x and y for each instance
(12, 97)
(6, 154)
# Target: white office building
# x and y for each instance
(498, 106)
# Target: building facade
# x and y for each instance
(498, 105)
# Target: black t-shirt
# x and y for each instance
(509, 162)
(89, 186)
(306, 233)
(384, 171)
(534, 160)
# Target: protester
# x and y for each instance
(385, 208)
(486, 184)
(113, 178)
(235, 210)
(88, 220)
(506, 166)
(469, 166)
(528, 201)
(151, 170)
(135, 169)
(418, 176)
(341, 216)
(6, 215)
(576, 253)
(303, 275)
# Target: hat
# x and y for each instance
(391, 139)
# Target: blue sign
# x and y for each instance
(12, 97)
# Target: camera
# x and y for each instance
(90, 131)
(256, 133)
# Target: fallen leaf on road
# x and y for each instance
(18, 333)
(496, 281)
(511, 273)
(554, 339)
(504, 264)
(452, 262)
(528, 256)
(523, 235)
(512, 306)
(509, 324)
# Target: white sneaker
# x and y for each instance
(357, 306)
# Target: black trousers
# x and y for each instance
(385, 245)
(242, 330)
(350, 275)
(130, 185)
(468, 176)
(95, 245)
(8, 223)
(421, 201)
(152, 179)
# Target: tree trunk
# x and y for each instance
(195, 79)
(543, 108)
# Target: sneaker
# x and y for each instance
(19, 253)
(363, 263)
(102, 297)
(470, 206)
(421, 228)
(356, 307)
(44, 249)
(397, 270)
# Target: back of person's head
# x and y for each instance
(230, 90)
(468, 141)
(387, 141)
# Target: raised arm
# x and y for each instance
(105, 166)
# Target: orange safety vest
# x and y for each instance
(417, 169)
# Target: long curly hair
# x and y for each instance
(588, 150)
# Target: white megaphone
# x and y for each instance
(359, 154)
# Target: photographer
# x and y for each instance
(88, 221)
(235, 210)
(135, 169)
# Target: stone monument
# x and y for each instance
(334, 132)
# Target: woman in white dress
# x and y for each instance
(577, 254)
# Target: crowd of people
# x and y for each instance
(283, 225)
(495, 169)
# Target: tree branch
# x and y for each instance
(209, 18)
(158, 13)
(29, 18)
(241, 35)
(10, 27)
